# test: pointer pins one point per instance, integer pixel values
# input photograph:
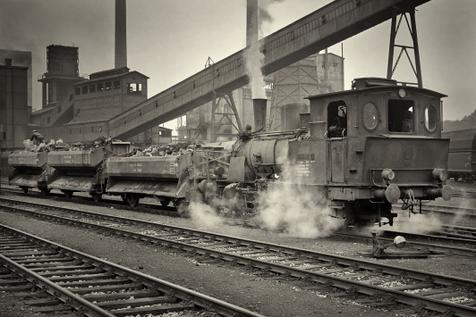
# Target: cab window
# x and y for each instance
(431, 118)
(401, 115)
(336, 119)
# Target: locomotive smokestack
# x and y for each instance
(120, 57)
(259, 111)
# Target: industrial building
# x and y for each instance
(14, 109)
(286, 91)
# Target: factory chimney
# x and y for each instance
(254, 61)
(120, 57)
(251, 22)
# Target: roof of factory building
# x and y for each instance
(110, 74)
(13, 67)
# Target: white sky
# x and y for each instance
(169, 40)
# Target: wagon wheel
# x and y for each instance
(96, 197)
(68, 193)
(132, 200)
(164, 202)
(44, 191)
(24, 189)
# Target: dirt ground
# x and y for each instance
(271, 296)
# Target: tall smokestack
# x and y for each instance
(259, 112)
(251, 22)
(120, 57)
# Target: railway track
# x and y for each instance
(450, 210)
(411, 288)
(105, 202)
(453, 238)
(57, 279)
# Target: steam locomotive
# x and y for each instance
(362, 150)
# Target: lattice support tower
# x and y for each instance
(410, 22)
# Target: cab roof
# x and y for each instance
(375, 84)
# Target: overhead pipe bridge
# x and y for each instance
(331, 24)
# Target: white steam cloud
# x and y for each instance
(296, 209)
(254, 62)
(287, 206)
(417, 223)
(205, 215)
(253, 54)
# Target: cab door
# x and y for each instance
(337, 149)
(337, 140)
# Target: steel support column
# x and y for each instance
(219, 114)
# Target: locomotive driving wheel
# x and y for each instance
(96, 197)
(68, 193)
(132, 199)
(164, 202)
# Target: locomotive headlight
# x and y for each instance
(440, 174)
(388, 175)
(402, 93)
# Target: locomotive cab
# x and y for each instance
(379, 143)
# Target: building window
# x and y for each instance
(107, 85)
(92, 88)
(116, 84)
(77, 90)
(85, 90)
(100, 87)
(134, 88)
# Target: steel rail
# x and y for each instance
(437, 236)
(453, 249)
(154, 284)
(75, 301)
(420, 279)
(450, 210)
